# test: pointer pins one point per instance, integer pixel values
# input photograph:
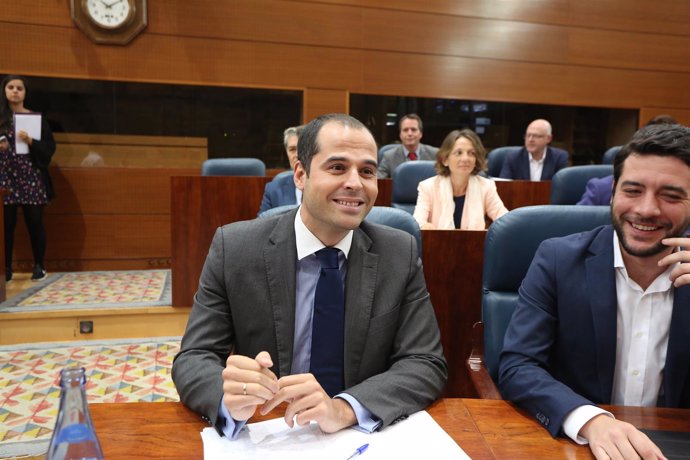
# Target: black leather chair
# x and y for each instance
(610, 154)
(233, 167)
(510, 245)
(495, 159)
(568, 184)
(406, 178)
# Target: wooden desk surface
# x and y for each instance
(485, 429)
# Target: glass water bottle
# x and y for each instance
(74, 437)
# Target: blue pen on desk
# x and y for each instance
(359, 451)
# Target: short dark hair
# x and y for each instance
(307, 141)
(411, 116)
(447, 147)
(665, 140)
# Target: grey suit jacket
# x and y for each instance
(394, 363)
(397, 156)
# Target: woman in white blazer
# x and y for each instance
(457, 197)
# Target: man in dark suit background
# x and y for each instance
(536, 160)
(602, 316)
(411, 149)
(257, 293)
(281, 190)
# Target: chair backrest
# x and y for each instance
(406, 177)
(610, 154)
(385, 148)
(382, 215)
(568, 184)
(495, 159)
(511, 242)
(277, 210)
(396, 218)
(233, 167)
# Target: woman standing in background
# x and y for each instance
(24, 176)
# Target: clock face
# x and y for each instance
(109, 14)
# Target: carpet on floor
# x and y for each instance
(124, 370)
(89, 290)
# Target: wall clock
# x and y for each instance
(114, 22)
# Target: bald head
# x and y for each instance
(537, 137)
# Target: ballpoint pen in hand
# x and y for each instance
(359, 451)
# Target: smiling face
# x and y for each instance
(341, 186)
(462, 159)
(651, 202)
(15, 91)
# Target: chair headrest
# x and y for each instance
(407, 176)
(233, 167)
(513, 239)
(568, 184)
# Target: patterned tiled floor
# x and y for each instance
(76, 290)
(117, 371)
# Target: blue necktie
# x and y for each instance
(327, 339)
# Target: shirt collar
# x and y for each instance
(308, 244)
(531, 158)
(660, 284)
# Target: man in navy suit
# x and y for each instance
(603, 316)
(281, 190)
(536, 160)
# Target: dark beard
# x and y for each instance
(653, 250)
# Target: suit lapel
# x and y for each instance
(547, 170)
(279, 260)
(602, 299)
(524, 164)
(677, 364)
(360, 285)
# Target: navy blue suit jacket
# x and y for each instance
(516, 164)
(559, 350)
(598, 191)
(279, 192)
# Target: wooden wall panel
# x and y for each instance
(682, 116)
(90, 150)
(320, 101)
(553, 52)
(664, 17)
(105, 218)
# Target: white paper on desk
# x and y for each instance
(417, 437)
(29, 122)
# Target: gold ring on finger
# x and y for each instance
(244, 389)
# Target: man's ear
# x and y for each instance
(299, 175)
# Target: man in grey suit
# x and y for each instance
(248, 340)
(410, 150)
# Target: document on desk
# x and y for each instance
(419, 436)
(29, 122)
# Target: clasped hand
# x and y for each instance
(249, 384)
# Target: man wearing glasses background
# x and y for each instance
(536, 160)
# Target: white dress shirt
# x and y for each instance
(536, 166)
